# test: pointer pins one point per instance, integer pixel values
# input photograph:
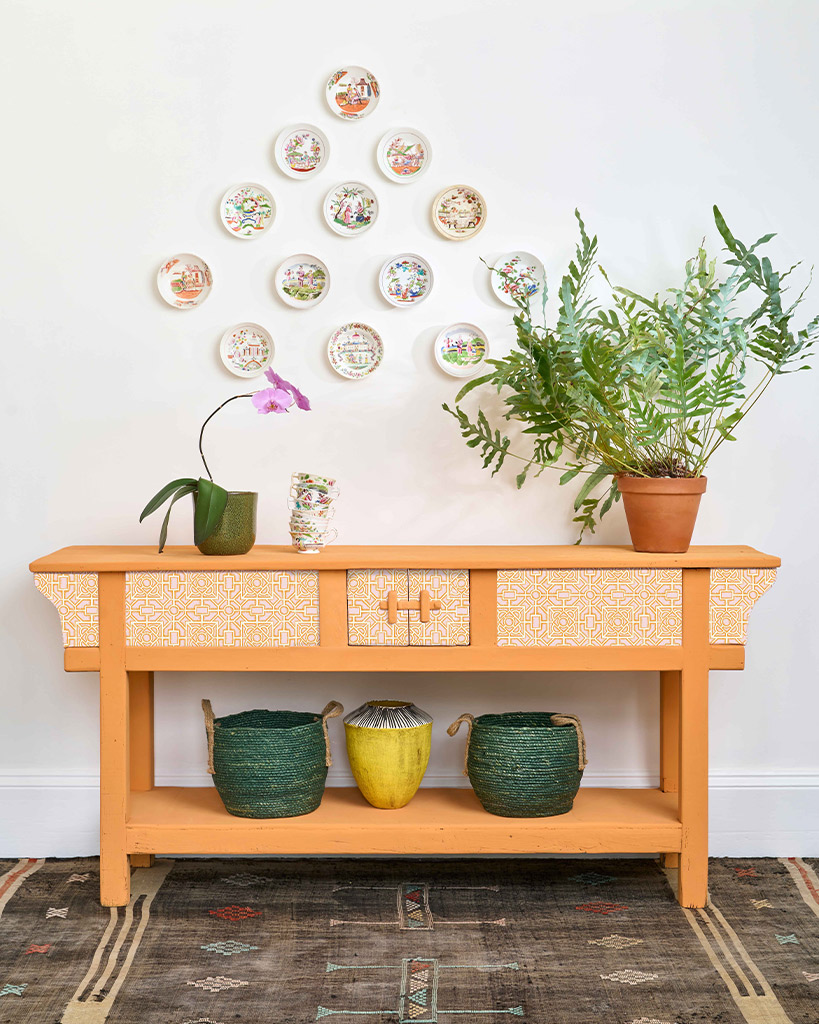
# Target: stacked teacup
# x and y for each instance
(310, 503)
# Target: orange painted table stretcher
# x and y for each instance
(127, 612)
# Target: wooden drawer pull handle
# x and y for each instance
(424, 605)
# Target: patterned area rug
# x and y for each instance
(411, 941)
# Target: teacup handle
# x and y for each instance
(328, 539)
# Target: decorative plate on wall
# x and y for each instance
(517, 275)
(461, 349)
(404, 154)
(246, 349)
(302, 281)
(302, 150)
(247, 210)
(355, 350)
(184, 281)
(350, 208)
(459, 212)
(405, 280)
(352, 92)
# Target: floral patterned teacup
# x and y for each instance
(323, 512)
(309, 497)
(325, 483)
(309, 542)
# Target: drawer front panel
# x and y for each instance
(367, 624)
(449, 626)
(589, 607)
(222, 609)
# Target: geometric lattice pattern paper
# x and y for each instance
(222, 609)
(449, 626)
(589, 607)
(74, 594)
(367, 624)
(734, 592)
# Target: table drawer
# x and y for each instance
(400, 608)
(222, 609)
(589, 607)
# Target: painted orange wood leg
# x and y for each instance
(333, 608)
(693, 781)
(670, 745)
(115, 880)
(141, 710)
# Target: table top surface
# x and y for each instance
(115, 558)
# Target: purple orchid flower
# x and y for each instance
(272, 400)
(302, 401)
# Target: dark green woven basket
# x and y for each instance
(524, 764)
(269, 764)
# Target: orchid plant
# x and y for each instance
(210, 498)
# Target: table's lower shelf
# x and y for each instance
(178, 820)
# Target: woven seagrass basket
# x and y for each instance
(524, 764)
(269, 764)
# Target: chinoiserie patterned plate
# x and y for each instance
(352, 92)
(517, 275)
(246, 349)
(355, 351)
(461, 349)
(302, 150)
(405, 280)
(350, 208)
(302, 281)
(404, 154)
(184, 281)
(459, 212)
(247, 211)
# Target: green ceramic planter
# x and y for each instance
(236, 532)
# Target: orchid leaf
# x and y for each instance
(163, 533)
(162, 496)
(210, 504)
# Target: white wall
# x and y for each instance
(124, 125)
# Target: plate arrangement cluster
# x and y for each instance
(350, 209)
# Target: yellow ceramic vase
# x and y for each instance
(388, 744)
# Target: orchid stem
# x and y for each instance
(202, 431)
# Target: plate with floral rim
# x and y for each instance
(247, 210)
(184, 281)
(355, 350)
(517, 275)
(350, 208)
(302, 281)
(461, 349)
(459, 212)
(246, 349)
(352, 92)
(301, 151)
(405, 280)
(403, 155)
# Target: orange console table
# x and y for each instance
(127, 612)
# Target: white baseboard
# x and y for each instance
(761, 814)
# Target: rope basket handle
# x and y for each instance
(456, 725)
(333, 710)
(581, 739)
(209, 730)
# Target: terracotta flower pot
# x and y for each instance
(661, 511)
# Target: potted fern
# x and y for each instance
(636, 396)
